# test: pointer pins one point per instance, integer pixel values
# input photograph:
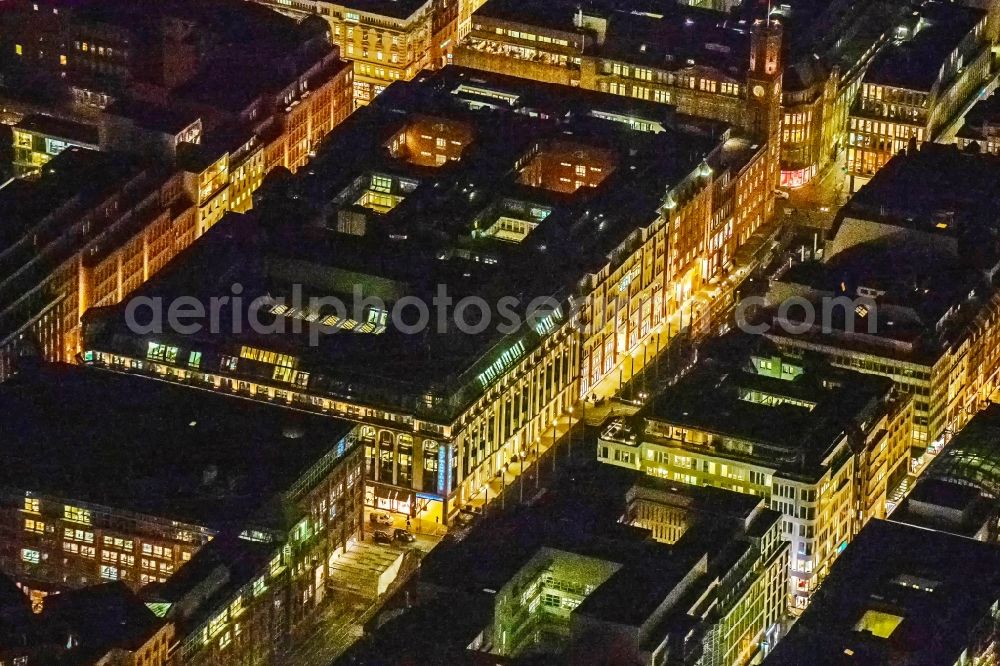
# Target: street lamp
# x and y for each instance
(554, 422)
(569, 446)
(538, 460)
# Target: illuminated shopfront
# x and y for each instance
(797, 177)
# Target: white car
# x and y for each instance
(781, 194)
(377, 518)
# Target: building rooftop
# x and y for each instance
(59, 127)
(37, 213)
(398, 9)
(739, 408)
(915, 63)
(658, 33)
(949, 507)
(698, 500)
(972, 457)
(486, 209)
(898, 594)
(168, 119)
(209, 580)
(982, 120)
(100, 618)
(158, 449)
(937, 188)
(654, 586)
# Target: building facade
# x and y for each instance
(827, 481)
(434, 451)
(917, 88)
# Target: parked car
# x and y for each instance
(379, 536)
(404, 535)
(377, 518)
(781, 194)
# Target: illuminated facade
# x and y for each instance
(38, 138)
(934, 204)
(436, 435)
(271, 498)
(95, 253)
(917, 87)
(826, 479)
(715, 598)
(630, 53)
(386, 41)
(202, 145)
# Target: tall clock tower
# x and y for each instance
(764, 79)
(764, 90)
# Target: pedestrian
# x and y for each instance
(407, 523)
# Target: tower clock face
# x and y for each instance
(758, 91)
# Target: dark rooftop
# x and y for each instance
(156, 448)
(168, 119)
(100, 618)
(898, 594)
(438, 230)
(399, 9)
(914, 64)
(59, 127)
(814, 410)
(972, 457)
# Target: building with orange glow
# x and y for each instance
(911, 244)
(465, 179)
(239, 529)
(386, 40)
(917, 87)
(185, 145)
(822, 446)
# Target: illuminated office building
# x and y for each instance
(917, 87)
(577, 587)
(39, 138)
(820, 446)
(910, 242)
(687, 57)
(174, 487)
(696, 58)
(467, 180)
(386, 41)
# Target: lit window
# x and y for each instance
(62, 60)
(30, 556)
(76, 515)
(109, 572)
(18, 50)
(35, 526)
(31, 504)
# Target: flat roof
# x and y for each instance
(711, 398)
(435, 229)
(915, 63)
(156, 448)
(399, 9)
(898, 594)
(169, 119)
(936, 189)
(59, 127)
(657, 33)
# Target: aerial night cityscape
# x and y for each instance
(499, 332)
